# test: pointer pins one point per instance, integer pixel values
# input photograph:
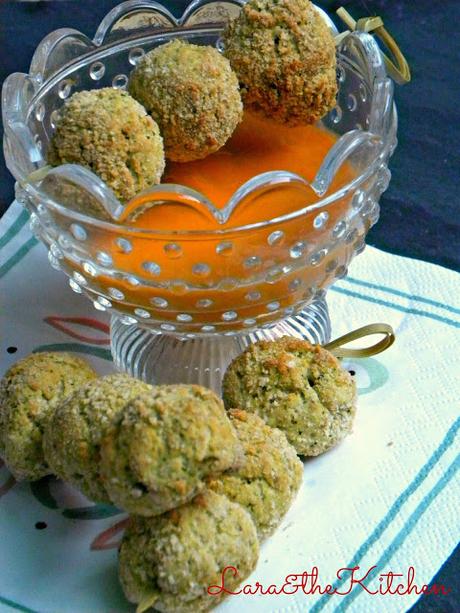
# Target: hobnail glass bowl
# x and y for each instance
(215, 290)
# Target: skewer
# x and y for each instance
(399, 71)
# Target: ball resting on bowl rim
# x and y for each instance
(91, 251)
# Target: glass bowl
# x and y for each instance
(183, 303)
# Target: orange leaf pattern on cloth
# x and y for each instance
(104, 539)
(62, 324)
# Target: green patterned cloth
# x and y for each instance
(386, 496)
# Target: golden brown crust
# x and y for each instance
(193, 94)
(284, 55)
(73, 434)
(297, 387)
(270, 474)
(158, 451)
(170, 560)
(29, 393)
(110, 133)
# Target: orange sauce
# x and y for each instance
(257, 146)
(269, 264)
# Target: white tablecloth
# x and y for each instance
(388, 496)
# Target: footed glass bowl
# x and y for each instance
(185, 302)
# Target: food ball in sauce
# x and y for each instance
(284, 55)
(110, 133)
(193, 94)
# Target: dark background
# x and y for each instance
(420, 212)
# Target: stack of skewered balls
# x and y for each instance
(185, 100)
(203, 483)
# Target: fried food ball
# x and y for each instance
(73, 434)
(269, 477)
(284, 55)
(29, 393)
(162, 446)
(110, 133)
(192, 93)
(169, 561)
(297, 387)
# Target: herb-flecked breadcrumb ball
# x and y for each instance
(284, 56)
(29, 393)
(269, 477)
(73, 434)
(169, 561)
(110, 133)
(297, 387)
(163, 445)
(193, 94)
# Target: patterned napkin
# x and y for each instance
(387, 497)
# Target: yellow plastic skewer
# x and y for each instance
(399, 71)
(337, 346)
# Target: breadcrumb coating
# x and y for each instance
(297, 387)
(163, 445)
(74, 432)
(284, 55)
(169, 561)
(269, 477)
(29, 392)
(110, 133)
(193, 94)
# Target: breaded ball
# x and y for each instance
(297, 387)
(168, 562)
(192, 93)
(269, 477)
(159, 450)
(284, 55)
(73, 434)
(110, 133)
(29, 393)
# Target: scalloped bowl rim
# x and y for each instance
(98, 42)
(117, 227)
